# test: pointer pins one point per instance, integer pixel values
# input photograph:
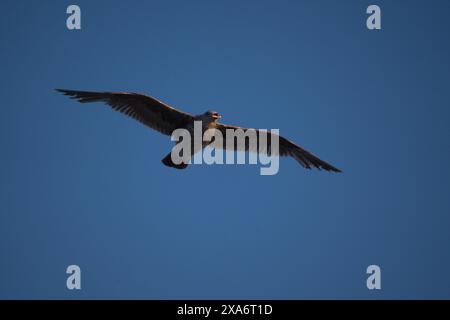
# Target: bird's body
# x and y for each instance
(165, 119)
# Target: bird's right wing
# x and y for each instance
(147, 110)
(286, 148)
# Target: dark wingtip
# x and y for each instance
(322, 165)
(64, 91)
(331, 169)
(82, 96)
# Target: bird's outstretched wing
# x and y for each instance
(286, 148)
(148, 110)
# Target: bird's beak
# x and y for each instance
(217, 116)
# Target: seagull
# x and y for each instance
(165, 119)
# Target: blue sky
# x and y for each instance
(84, 185)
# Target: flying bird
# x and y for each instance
(165, 119)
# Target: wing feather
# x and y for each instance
(286, 148)
(145, 109)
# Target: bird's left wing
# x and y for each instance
(286, 148)
(148, 110)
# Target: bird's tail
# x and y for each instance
(168, 162)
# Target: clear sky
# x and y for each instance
(81, 184)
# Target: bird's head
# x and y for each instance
(212, 116)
